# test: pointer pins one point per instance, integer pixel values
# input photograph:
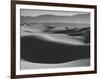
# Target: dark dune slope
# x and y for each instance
(39, 51)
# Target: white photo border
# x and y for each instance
(53, 70)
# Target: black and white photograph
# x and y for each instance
(52, 39)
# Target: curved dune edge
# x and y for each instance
(60, 38)
(76, 63)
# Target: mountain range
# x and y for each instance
(80, 18)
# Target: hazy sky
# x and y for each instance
(35, 12)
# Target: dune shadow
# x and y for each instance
(40, 51)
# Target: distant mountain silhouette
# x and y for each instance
(80, 18)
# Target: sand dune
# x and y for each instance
(35, 49)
